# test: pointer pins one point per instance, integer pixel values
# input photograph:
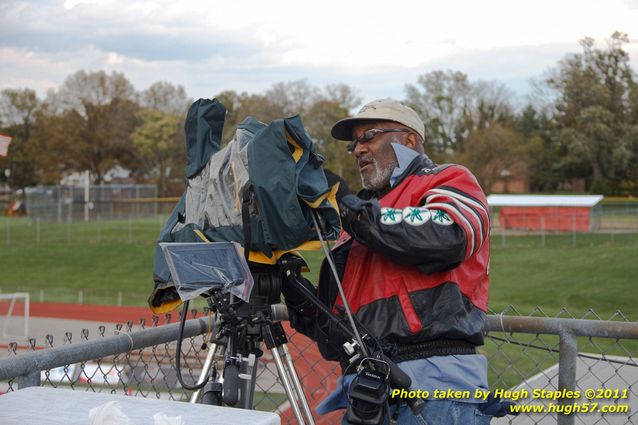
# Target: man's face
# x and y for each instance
(376, 158)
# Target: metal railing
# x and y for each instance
(27, 367)
(568, 331)
(133, 350)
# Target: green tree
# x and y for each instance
(539, 151)
(596, 115)
(157, 142)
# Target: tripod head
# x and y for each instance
(242, 325)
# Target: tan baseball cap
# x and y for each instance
(380, 110)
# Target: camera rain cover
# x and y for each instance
(198, 268)
(262, 190)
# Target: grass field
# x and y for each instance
(112, 262)
(61, 260)
(576, 272)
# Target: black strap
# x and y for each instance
(437, 347)
(245, 218)
(422, 350)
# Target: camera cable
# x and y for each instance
(178, 369)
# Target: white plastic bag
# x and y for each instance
(162, 419)
(108, 414)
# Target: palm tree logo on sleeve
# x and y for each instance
(416, 216)
(441, 217)
(391, 216)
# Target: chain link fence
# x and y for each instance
(62, 204)
(524, 352)
(530, 361)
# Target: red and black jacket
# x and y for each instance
(419, 289)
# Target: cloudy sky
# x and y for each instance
(374, 46)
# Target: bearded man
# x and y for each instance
(413, 259)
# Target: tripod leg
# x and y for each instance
(285, 380)
(275, 339)
(248, 375)
(205, 371)
(297, 384)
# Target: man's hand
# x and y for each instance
(290, 289)
(357, 215)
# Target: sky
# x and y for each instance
(376, 47)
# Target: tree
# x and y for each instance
(241, 106)
(318, 121)
(18, 109)
(97, 113)
(319, 110)
(539, 152)
(293, 97)
(452, 107)
(167, 98)
(490, 151)
(346, 96)
(596, 114)
(157, 142)
(335, 102)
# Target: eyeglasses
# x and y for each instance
(368, 135)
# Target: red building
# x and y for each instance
(564, 213)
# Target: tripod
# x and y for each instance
(241, 329)
(242, 326)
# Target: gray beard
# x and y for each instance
(378, 178)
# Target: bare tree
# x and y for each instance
(166, 97)
(452, 107)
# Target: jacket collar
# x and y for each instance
(419, 162)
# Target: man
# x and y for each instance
(413, 260)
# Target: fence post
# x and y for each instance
(137, 198)
(573, 230)
(37, 229)
(69, 216)
(130, 229)
(99, 234)
(568, 353)
(503, 237)
(7, 230)
(59, 192)
(542, 231)
(31, 379)
(80, 297)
